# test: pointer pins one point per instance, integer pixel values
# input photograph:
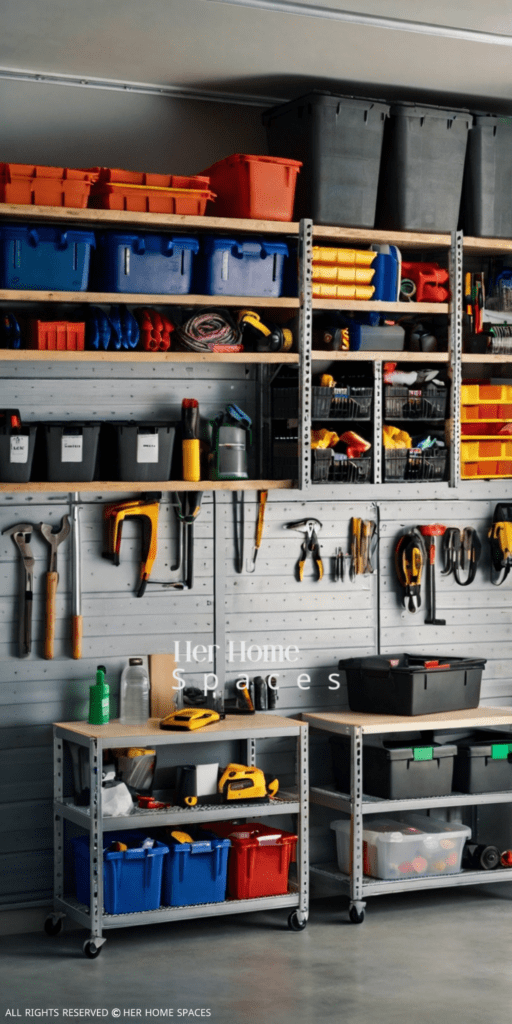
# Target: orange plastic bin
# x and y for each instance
(259, 858)
(36, 185)
(259, 187)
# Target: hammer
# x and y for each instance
(52, 579)
(431, 532)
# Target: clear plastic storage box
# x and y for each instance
(415, 847)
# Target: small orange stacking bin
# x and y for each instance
(259, 187)
(485, 409)
(57, 336)
(342, 273)
(35, 185)
(143, 192)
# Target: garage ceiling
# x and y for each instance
(250, 51)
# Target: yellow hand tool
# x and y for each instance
(263, 495)
(145, 510)
(310, 543)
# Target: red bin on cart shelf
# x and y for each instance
(259, 858)
(259, 187)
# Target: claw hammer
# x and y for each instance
(52, 579)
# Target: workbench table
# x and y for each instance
(357, 804)
(97, 738)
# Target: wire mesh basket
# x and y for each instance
(322, 461)
(352, 403)
(427, 403)
(415, 464)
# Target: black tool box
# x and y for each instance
(396, 769)
(140, 451)
(483, 763)
(17, 444)
(406, 684)
(71, 451)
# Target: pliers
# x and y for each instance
(310, 543)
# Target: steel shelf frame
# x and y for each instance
(356, 804)
(99, 738)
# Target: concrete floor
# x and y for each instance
(421, 958)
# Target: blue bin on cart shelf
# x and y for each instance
(132, 879)
(144, 263)
(195, 872)
(251, 267)
(44, 258)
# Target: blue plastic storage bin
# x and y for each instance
(132, 879)
(250, 267)
(195, 872)
(45, 258)
(144, 263)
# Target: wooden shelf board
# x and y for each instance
(372, 306)
(27, 355)
(159, 485)
(368, 236)
(338, 721)
(136, 299)
(487, 357)
(123, 218)
(487, 245)
(376, 356)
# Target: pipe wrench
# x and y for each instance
(21, 536)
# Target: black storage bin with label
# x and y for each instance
(339, 141)
(71, 451)
(483, 763)
(486, 209)
(422, 168)
(396, 769)
(406, 684)
(17, 445)
(142, 451)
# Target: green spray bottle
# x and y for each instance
(99, 699)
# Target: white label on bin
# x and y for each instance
(19, 448)
(147, 447)
(71, 448)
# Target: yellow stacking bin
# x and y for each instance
(345, 257)
(352, 275)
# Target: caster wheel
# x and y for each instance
(53, 926)
(356, 916)
(91, 951)
(295, 923)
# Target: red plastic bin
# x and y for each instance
(150, 199)
(259, 187)
(35, 185)
(57, 336)
(259, 858)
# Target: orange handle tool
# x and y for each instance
(52, 579)
(76, 636)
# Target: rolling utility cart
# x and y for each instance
(357, 804)
(97, 738)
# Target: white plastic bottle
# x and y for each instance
(134, 693)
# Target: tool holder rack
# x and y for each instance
(357, 804)
(266, 365)
(99, 738)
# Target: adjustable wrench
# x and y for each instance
(21, 536)
(52, 579)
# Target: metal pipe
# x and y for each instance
(370, 20)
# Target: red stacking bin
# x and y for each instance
(259, 858)
(260, 187)
(32, 184)
(144, 192)
(57, 336)
(115, 174)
